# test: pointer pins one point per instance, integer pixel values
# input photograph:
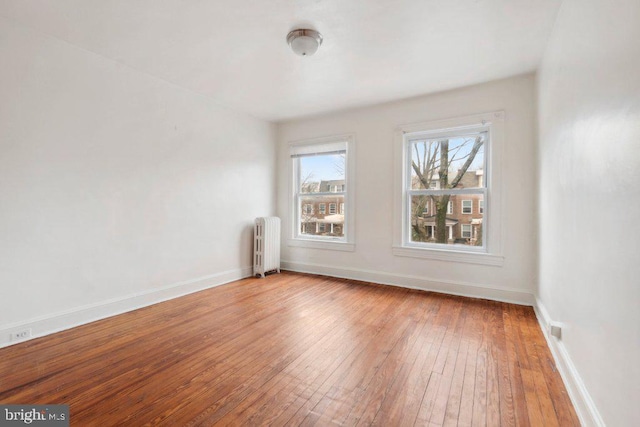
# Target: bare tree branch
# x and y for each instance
(472, 155)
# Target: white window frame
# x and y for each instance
(320, 145)
(450, 207)
(462, 227)
(333, 207)
(322, 208)
(481, 206)
(470, 207)
(491, 252)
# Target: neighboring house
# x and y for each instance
(464, 214)
(333, 186)
(324, 215)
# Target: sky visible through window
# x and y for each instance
(459, 149)
(322, 167)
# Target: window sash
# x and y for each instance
(407, 220)
(299, 195)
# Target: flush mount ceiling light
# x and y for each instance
(304, 42)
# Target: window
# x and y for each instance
(467, 206)
(463, 156)
(455, 160)
(322, 174)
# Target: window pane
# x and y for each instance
(462, 158)
(315, 222)
(467, 206)
(322, 173)
(433, 222)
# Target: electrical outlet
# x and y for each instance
(21, 335)
(555, 329)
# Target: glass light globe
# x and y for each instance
(304, 45)
(304, 42)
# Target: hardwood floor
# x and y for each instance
(295, 349)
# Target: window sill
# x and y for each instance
(450, 255)
(322, 244)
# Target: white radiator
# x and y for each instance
(266, 245)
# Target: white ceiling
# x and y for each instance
(234, 51)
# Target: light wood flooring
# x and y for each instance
(296, 349)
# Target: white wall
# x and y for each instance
(374, 134)
(589, 112)
(115, 184)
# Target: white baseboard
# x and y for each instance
(580, 397)
(57, 322)
(515, 296)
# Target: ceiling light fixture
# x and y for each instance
(304, 42)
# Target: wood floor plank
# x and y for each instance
(297, 349)
(512, 342)
(439, 411)
(505, 393)
(465, 415)
(493, 394)
(531, 397)
(452, 410)
(480, 392)
(433, 409)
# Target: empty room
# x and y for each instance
(320, 212)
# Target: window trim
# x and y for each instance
(347, 242)
(492, 252)
(462, 226)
